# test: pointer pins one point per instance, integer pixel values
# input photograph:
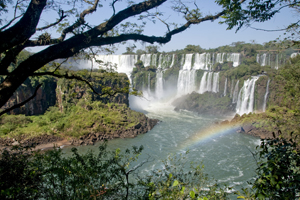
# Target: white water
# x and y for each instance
(235, 58)
(124, 63)
(159, 90)
(186, 82)
(225, 87)
(235, 92)
(173, 60)
(215, 86)
(146, 58)
(209, 82)
(186, 77)
(245, 101)
(266, 96)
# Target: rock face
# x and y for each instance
(45, 97)
(62, 92)
(205, 104)
(252, 127)
(69, 92)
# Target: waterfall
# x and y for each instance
(186, 82)
(220, 57)
(187, 77)
(173, 60)
(293, 55)
(235, 92)
(188, 62)
(246, 97)
(159, 88)
(146, 58)
(235, 58)
(203, 83)
(124, 63)
(149, 83)
(209, 82)
(276, 62)
(153, 60)
(266, 96)
(200, 61)
(231, 88)
(215, 86)
(225, 87)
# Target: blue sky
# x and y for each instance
(207, 34)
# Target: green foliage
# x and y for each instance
(192, 49)
(278, 169)
(78, 120)
(20, 176)
(105, 175)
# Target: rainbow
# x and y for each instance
(208, 134)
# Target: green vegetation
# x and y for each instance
(105, 175)
(206, 104)
(115, 175)
(81, 119)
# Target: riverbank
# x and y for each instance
(45, 141)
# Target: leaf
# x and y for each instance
(192, 194)
(240, 197)
(175, 183)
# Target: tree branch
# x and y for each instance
(62, 16)
(23, 103)
(79, 22)
(24, 28)
(9, 23)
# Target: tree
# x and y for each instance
(152, 49)
(24, 30)
(192, 49)
(261, 11)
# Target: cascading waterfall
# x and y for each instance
(203, 83)
(266, 96)
(246, 97)
(159, 88)
(231, 88)
(146, 58)
(235, 58)
(200, 61)
(235, 92)
(187, 77)
(153, 59)
(149, 83)
(209, 82)
(124, 63)
(173, 60)
(215, 86)
(225, 87)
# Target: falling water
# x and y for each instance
(235, 58)
(266, 96)
(209, 82)
(159, 90)
(173, 60)
(225, 87)
(235, 92)
(146, 58)
(149, 83)
(231, 88)
(246, 97)
(215, 86)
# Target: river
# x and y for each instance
(225, 154)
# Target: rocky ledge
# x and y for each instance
(143, 126)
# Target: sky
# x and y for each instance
(206, 35)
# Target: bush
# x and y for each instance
(106, 175)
